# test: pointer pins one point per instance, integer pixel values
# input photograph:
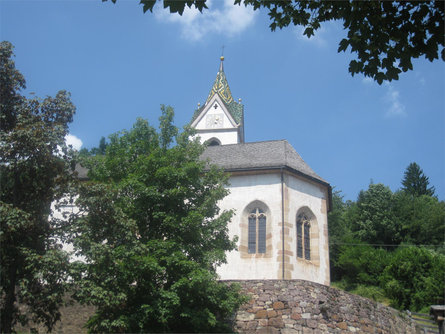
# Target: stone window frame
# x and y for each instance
(306, 220)
(244, 229)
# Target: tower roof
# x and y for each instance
(221, 88)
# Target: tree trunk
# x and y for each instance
(7, 315)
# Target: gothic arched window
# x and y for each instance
(257, 231)
(303, 237)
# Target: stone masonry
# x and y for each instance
(303, 307)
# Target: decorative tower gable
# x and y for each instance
(220, 120)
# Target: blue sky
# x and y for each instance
(120, 64)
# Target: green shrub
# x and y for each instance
(414, 278)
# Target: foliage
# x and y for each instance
(337, 231)
(174, 5)
(151, 234)
(35, 170)
(372, 292)
(415, 182)
(11, 83)
(385, 35)
(361, 264)
(375, 223)
(414, 278)
(421, 219)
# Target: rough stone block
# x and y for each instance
(308, 330)
(263, 322)
(261, 314)
(306, 315)
(323, 327)
(271, 314)
(245, 316)
(342, 325)
(252, 325)
(276, 322)
(278, 306)
(311, 323)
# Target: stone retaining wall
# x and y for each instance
(297, 306)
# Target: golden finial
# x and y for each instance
(222, 58)
(239, 100)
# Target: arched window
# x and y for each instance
(213, 142)
(257, 231)
(303, 236)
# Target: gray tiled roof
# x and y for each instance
(259, 155)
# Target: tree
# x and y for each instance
(413, 278)
(339, 231)
(375, 222)
(151, 234)
(421, 219)
(385, 35)
(35, 170)
(415, 182)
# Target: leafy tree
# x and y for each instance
(11, 83)
(415, 182)
(151, 234)
(35, 170)
(413, 278)
(339, 231)
(375, 222)
(385, 35)
(421, 219)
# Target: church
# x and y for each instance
(280, 203)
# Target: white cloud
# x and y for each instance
(396, 107)
(72, 140)
(318, 39)
(229, 20)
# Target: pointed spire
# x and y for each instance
(220, 86)
(221, 66)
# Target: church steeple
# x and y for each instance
(220, 119)
(221, 86)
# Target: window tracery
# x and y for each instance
(303, 236)
(257, 231)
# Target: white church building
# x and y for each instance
(280, 203)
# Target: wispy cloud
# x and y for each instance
(229, 20)
(318, 39)
(396, 107)
(75, 142)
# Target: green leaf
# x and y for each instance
(343, 45)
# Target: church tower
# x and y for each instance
(220, 121)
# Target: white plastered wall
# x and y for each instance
(304, 194)
(245, 189)
(266, 188)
